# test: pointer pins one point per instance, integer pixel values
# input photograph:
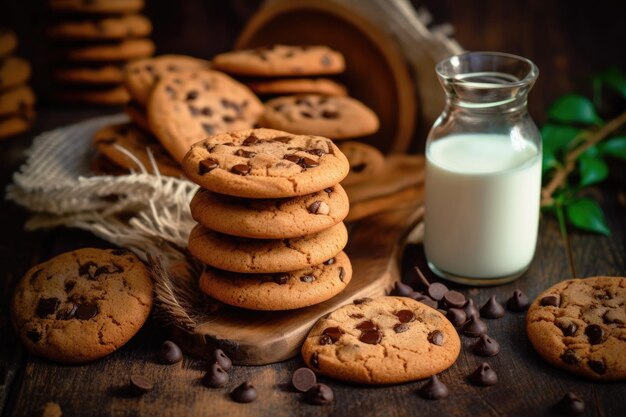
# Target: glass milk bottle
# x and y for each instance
(483, 171)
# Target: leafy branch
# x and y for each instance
(576, 144)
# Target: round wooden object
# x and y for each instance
(376, 73)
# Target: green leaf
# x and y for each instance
(574, 108)
(556, 137)
(615, 147)
(593, 169)
(614, 79)
(586, 214)
(549, 161)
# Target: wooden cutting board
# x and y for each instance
(257, 338)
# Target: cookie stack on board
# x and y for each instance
(269, 214)
(17, 100)
(94, 39)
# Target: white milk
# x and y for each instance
(482, 204)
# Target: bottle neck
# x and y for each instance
(509, 107)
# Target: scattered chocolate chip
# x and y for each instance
(33, 335)
(307, 278)
(474, 327)
(308, 163)
(170, 353)
(434, 389)
(191, 95)
(244, 393)
(486, 346)
(405, 316)
(319, 394)
(207, 165)
(303, 379)
(245, 154)
(598, 366)
(437, 290)
(366, 325)
(401, 289)
(317, 152)
(454, 299)
(240, 169)
(569, 357)
(492, 309)
(86, 311)
(518, 302)
(330, 114)
(550, 300)
(571, 405)
(315, 360)
(140, 384)
(333, 332)
(470, 309)
(362, 300)
(372, 337)
(484, 375)
(220, 357)
(456, 316)
(342, 273)
(428, 301)
(436, 338)
(595, 334)
(325, 340)
(401, 327)
(330, 261)
(215, 377)
(568, 329)
(293, 158)
(47, 306)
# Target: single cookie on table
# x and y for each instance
(82, 305)
(107, 96)
(8, 42)
(106, 74)
(281, 291)
(281, 60)
(249, 256)
(141, 76)
(137, 115)
(17, 99)
(135, 141)
(13, 71)
(289, 86)
(387, 340)
(335, 117)
(265, 163)
(96, 6)
(124, 50)
(122, 27)
(579, 325)
(187, 107)
(270, 218)
(366, 162)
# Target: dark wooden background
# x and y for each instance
(569, 40)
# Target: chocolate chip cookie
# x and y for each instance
(13, 71)
(281, 60)
(289, 86)
(185, 108)
(141, 76)
(247, 256)
(312, 114)
(366, 162)
(82, 305)
(116, 142)
(387, 340)
(96, 6)
(125, 50)
(270, 218)
(8, 42)
(265, 163)
(282, 291)
(579, 325)
(106, 74)
(117, 27)
(16, 100)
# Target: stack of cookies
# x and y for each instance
(95, 39)
(270, 213)
(17, 100)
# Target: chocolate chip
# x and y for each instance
(170, 353)
(206, 111)
(456, 316)
(308, 163)
(568, 329)
(69, 286)
(330, 261)
(228, 119)
(140, 384)
(170, 92)
(240, 169)
(220, 357)
(245, 154)
(366, 325)
(303, 379)
(282, 139)
(47, 306)
(434, 389)
(293, 158)
(333, 332)
(319, 394)
(571, 405)
(362, 300)
(306, 114)
(191, 95)
(474, 327)
(88, 268)
(325, 340)
(518, 302)
(569, 357)
(470, 309)
(486, 346)
(86, 311)
(328, 190)
(401, 289)
(358, 168)
(342, 273)
(437, 290)
(317, 152)
(315, 360)
(372, 337)
(314, 206)
(405, 316)
(207, 165)
(436, 338)
(33, 335)
(280, 279)
(595, 334)
(209, 129)
(303, 101)
(598, 366)
(215, 377)
(492, 309)
(307, 278)
(550, 300)
(401, 327)
(250, 140)
(244, 393)
(484, 375)
(68, 312)
(454, 299)
(428, 301)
